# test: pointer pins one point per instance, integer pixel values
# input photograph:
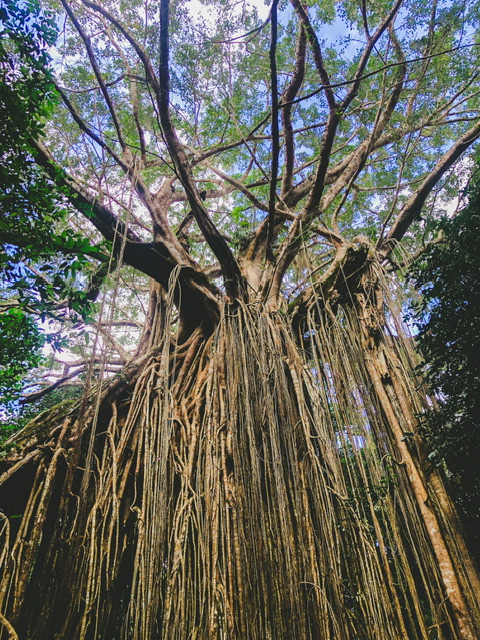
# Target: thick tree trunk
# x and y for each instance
(394, 393)
(235, 486)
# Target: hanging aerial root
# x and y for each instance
(238, 488)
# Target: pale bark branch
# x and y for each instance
(414, 204)
(240, 186)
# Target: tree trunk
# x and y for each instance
(395, 390)
(255, 483)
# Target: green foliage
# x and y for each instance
(20, 341)
(448, 318)
(32, 209)
(60, 398)
(44, 264)
(26, 90)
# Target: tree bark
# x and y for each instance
(383, 367)
(235, 486)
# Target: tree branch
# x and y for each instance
(272, 197)
(302, 13)
(358, 76)
(37, 395)
(413, 206)
(96, 70)
(289, 94)
(232, 276)
(155, 259)
(128, 169)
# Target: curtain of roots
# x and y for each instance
(237, 487)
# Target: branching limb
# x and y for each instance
(289, 94)
(359, 158)
(233, 278)
(302, 13)
(38, 395)
(414, 204)
(371, 74)
(133, 83)
(128, 168)
(272, 198)
(409, 149)
(311, 207)
(157, 260)
(365, 57)
(240, 186)
(107, 334)
(200, 156)
(150, 76)
(96, 70)
(366, 30)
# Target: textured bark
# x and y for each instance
(238, 485)
(256, 471)
(385, 369)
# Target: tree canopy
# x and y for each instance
(248, 150)
(47, 279)
(350, 136)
